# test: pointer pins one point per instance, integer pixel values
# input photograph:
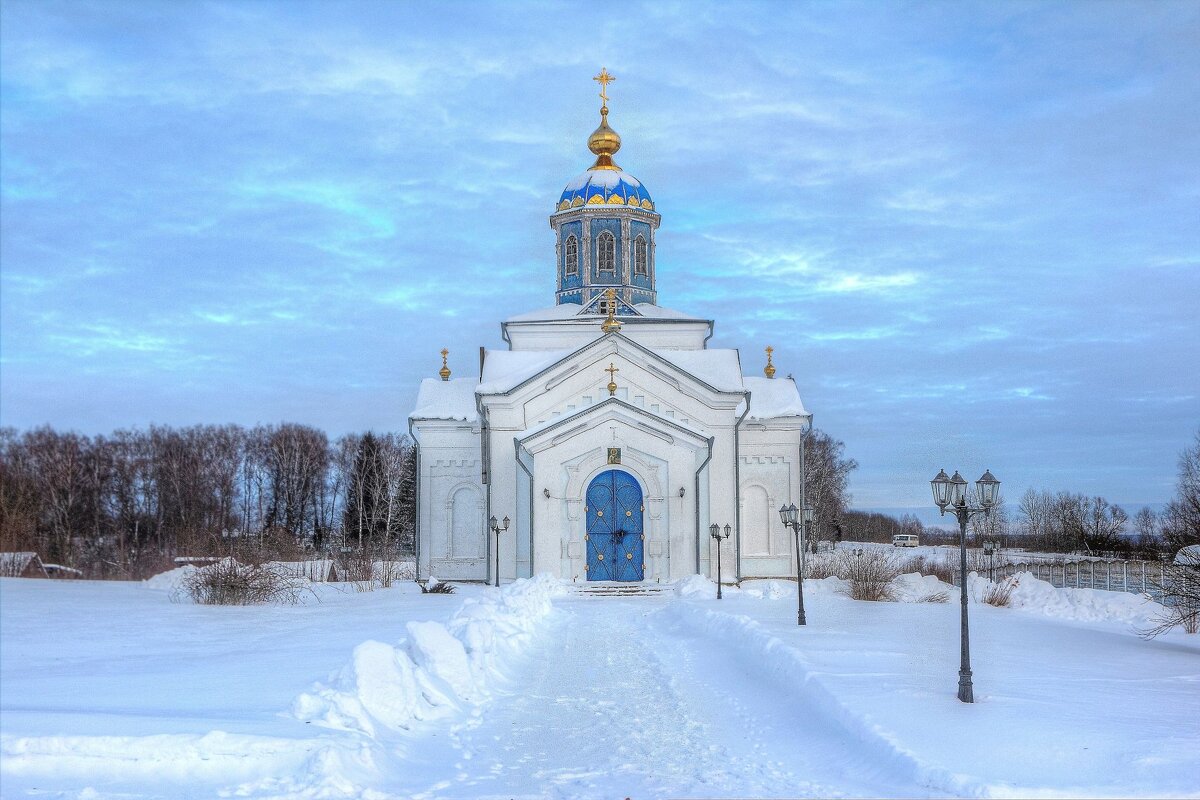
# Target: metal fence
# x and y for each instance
(1114, 575)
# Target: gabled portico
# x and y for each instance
(564, 457)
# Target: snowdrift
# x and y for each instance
(1087, 605)
(438, 670)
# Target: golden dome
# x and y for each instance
(604, 141)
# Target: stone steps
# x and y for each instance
(621, 589)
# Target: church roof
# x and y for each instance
(771, 398)
(599, 186)
(504, 369)
(719, 368)
(450, 400)
(569, 310)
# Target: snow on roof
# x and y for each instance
(61, 570)
(14, 564)
(566, 311)
(720, 369)
(658, 312)
(773, 397)
(504, 369)
(453, 399)
(561, 311)
(607, 178)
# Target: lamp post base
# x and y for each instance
(965, 691)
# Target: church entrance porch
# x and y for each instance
(614, 534)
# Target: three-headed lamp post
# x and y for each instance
(717, 534)
(792, 519)
(951, 493)
(498, 528)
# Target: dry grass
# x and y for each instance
(926, 565)
(999, 593)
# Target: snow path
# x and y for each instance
(620, 699)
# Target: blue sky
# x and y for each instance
(971, 231)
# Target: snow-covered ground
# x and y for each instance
(111, 690)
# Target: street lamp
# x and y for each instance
(790, 515)
(498, 528)
(714, 531)
(990, 549)
(952, 493)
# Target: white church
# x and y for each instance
(608, 435)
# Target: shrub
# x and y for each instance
(433, 586)
(822, 565)
(228, 583)
(1180, 597)
(870, 573)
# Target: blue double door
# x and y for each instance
(616, 542)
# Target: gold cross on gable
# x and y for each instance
(612, 371)
(604, 79)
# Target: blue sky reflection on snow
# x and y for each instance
(972, 231)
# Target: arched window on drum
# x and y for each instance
(571, 256)
(606, 252)
(639, 255)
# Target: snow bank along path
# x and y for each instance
(439, 670)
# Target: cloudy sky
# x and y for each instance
(972, 232)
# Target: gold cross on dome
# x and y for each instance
(604, 79)
(611, 325)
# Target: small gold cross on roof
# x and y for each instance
(604, 79)
(612, 371)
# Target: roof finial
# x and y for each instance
(611, 325)
(612, 371)
(445, 370)
(604, 141)
(604, 79)
(769, 369)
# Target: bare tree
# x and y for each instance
(1181, 520)
(826, 476)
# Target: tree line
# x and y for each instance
(123, 505)
(1061, 522)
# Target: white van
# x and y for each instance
(904, 540)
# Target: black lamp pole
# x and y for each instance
(498, 528)
(792, 519)
(715, 532)
(952, 493)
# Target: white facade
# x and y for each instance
(684, 439)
